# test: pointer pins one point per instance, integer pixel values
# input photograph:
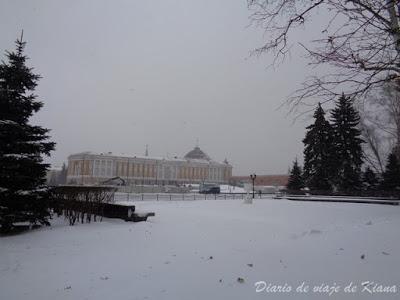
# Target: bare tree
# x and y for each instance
(374, 149)
(380, 115)
(360, 42)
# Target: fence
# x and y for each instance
(82, 203)
(181, 196)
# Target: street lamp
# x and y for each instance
(253, 178)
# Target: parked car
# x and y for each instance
(209, 188)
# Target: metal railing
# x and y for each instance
(181, 196)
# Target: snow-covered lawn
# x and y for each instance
(199, 250)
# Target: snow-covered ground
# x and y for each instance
(231, 189)
(209, 250)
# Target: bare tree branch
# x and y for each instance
(360, 43)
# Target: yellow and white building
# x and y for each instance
(88, 168)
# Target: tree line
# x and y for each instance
(334, 160)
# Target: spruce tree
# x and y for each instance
(347, 145)
(23, 194)
(295, 182)
(391, 176)
(318, 163)
(370, 180)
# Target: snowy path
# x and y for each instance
(198, 250)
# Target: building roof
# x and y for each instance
(197, 153)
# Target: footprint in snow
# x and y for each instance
(281, 261)
(104, 278)
(295, 236)
(368, 223)
(385, 253)
(315, 231)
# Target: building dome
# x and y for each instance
(197, 153)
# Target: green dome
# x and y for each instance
(197, 153)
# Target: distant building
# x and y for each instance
(56, 175)
(195, 167)
(262, 180)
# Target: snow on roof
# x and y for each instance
(113, 154)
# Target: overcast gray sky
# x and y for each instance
(118, 75)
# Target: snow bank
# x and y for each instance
(231, 189)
